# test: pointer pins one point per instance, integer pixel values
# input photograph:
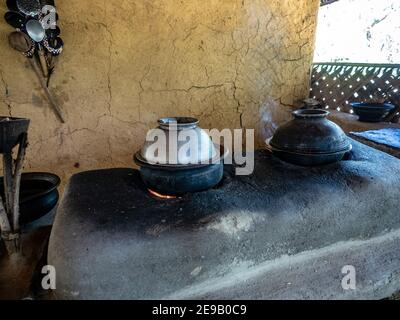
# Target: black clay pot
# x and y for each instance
(179, 182)
(372, 112)
(11, 130)
(175, 180)
(308, 159)
(38, 195)
(310, 139)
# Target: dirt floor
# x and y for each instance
(18, 272)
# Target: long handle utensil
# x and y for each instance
(19, 42)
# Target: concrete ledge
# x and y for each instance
(315, 274)
(112, 240)
(392, 151)
(349, 122)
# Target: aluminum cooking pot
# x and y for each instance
(178, 141)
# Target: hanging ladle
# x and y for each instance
(20, 42)
(35, 30)
(15, 19)
(37, 33)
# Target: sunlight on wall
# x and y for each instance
(359, 31)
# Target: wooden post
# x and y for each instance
(8, 177)
(4, 222)
(9, 214)
(17, 181)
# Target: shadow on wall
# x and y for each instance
(272, 115)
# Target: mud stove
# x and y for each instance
(283, 232)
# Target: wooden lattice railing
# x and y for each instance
(336, 85)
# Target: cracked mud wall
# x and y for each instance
(127, 63)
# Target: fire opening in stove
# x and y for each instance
(161, 196)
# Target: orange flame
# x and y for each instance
(161, 196)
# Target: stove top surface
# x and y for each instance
(110, 227)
